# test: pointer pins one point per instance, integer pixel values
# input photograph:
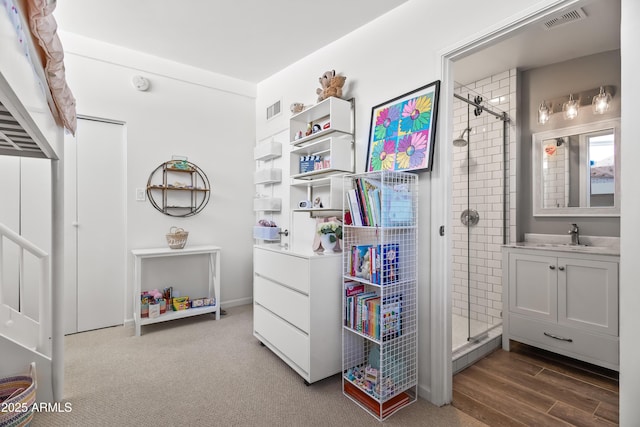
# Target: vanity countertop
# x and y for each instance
(596, 245)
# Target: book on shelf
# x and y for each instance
(391, 316)
(361, 310)
(380, 205)
(389, 260)
(380, 409)
(376, 263)
(351, 290)
(354, 207)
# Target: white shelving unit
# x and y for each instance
(329, 189)
(267, 151)
(332, 144)
(337, 148)
(265, 177)
(335, 112)
(211, 289)
(380, 327)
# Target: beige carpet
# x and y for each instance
(199, 371)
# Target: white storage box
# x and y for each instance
(267, 176)
(266, 233)
(267, 204)
(267, 150)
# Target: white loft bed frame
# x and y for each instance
(16, 93)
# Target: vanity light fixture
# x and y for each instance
(599, 98)
(543, 113)
(601, 101)
(570, 108)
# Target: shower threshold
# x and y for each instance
(477, 348)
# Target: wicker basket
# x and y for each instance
(18, 394)
(177, 238)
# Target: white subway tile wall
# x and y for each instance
(478, 184)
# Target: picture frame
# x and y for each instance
(402, 131)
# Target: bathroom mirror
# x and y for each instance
(576, 170)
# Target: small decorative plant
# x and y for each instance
(334, 229)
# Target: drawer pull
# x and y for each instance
(556, 337)
(552, 267)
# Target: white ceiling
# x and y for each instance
(535, 46)
(246, 39)
(253, 39)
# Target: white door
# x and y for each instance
(95, 241)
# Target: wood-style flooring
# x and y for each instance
(533, 387)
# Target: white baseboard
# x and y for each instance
(236, 302)
(424, 392)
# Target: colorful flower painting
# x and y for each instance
(402, 132)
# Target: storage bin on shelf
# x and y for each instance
(266, 233)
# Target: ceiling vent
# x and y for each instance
(565, 18)
(273, 110)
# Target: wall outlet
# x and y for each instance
(140, 195)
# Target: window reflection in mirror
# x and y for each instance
(575, 170)
(578, 170)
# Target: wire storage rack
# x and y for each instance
(380, 327)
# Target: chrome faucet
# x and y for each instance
(575, 234)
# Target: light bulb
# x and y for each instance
(600, 103)
(543, 113)
(570, 108)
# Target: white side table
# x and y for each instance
(213, 289)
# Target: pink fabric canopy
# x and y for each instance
(44, 28)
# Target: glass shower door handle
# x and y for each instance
(469, 217)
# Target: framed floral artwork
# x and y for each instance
(402, 131)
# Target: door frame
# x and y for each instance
(441, 389)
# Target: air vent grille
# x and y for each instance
(273, 110)
(565, 18)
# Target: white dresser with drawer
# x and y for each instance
(297, 308)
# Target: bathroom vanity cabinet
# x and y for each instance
(563, 301)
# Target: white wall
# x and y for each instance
(394, 54)
(189, 112)
(629, 225)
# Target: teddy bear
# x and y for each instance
(364, 269)
(335, 87)
(325, 80)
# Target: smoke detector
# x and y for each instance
(140, 83)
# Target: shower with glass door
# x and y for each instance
(480, 214)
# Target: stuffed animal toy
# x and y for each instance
(325, 80)
(365, 268)
(335, 87)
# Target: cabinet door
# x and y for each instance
(588, 294)
(533, 285)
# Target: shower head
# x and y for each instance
(460, 141)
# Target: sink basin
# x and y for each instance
(559, 245)
(604, 245)
(570, 247)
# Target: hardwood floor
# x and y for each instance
(533, 387)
